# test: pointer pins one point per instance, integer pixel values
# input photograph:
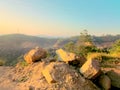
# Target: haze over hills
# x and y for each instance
(13, 46)
(23, 40)
(99, 41)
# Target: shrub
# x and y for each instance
(2, 62)
(115, 49)
(22, 63)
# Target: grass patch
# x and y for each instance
(23, 79)
(23, 63)
(2, 62)
(106, 60)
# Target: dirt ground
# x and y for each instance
(30, 78)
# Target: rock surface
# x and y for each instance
(59, 72)
(35, 55)
(31, 77)
(90, 69)
(65, 56)
(115, 78)
(105, 82)
(51, 74)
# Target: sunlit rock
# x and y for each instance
(90, 69)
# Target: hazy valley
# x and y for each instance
(14, 46)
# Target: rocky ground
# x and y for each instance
(31, 78)
(49, 74)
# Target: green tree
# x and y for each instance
(115, 48)
(70, 46)
(85, 44)
(85, 39)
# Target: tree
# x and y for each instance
(70, 46)
(116, 48)
(85, 44)
(85, 39)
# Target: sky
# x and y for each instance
(59, 17)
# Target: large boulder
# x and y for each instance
(35, 55)
(65, 56)
(90, 69)
(66, 78)
(115, 78)
(70, 58)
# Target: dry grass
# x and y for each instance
(106, 60)
(97, 55)
(101, 55)
(2, 62)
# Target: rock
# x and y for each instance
(31, 88)
(105, 82)
(63, 77)
(51, 52)
(35, 55)
(51, 72)
(66, 77)
(81, 60)
(115, 78)
(90, 69)
(65, 56)
(70, 58)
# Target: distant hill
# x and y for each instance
(25, 41)
(100, 41)
(105, 41)
(14, 45)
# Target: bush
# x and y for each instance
(115, 50)
(2, 62)
(22, 63)
(70, 46)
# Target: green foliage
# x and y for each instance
(106, 60)
(83, 46)
(116, 47)
(2, 62)
(48, 54)
(84, 50)
(112, 63)
(56, 57)
(84, 38)
(70, 46)
(23, 79)
(23, 63)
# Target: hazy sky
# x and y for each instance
(59, 17)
